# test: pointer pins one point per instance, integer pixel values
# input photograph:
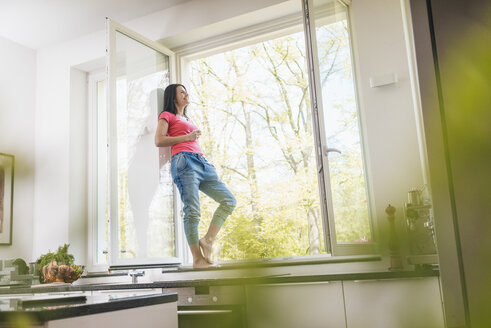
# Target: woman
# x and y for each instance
(191, 172)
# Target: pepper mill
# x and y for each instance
(395, 256)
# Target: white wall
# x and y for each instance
(77, 227)
(53, 138)
(17, 117)
(387, 112)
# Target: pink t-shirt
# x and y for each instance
(179, 127)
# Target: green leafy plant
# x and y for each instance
(61, 257)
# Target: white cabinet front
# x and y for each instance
(306, 305)
(152, 316)
(391, 303)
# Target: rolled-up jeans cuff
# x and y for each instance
(219, 218)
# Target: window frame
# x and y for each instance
(93, 78)
(337, 249)
(112, 28)
(178, 57)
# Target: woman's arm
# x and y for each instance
(162, 140)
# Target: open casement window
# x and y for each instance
(342, 177)
(142, 218)
(282, 125)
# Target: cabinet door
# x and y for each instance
(306, 305)
(400, 303)
(152, 316)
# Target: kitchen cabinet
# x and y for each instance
(306, 305)
(401, 303)
(152, 316)
(370, 299)
(213, 316)
(68, 309)
(210, 306)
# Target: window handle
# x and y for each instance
(330, 150)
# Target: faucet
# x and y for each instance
(135, 274)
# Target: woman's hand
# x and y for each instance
(163, 140)
(193, 135)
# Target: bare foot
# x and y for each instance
(201, 263)
(206, 248)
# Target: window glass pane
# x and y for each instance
(254, 110)
(347, 178)
(145, 192)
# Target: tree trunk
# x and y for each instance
(251, 169)
(314, 241)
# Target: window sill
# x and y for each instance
(278, 262)
(250, 264)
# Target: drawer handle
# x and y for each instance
(193, 312)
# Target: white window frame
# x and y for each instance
(92, 168)
(112, 28)
(178, 58)
(340, 249)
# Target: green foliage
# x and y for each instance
(77, 269)
(61, 257)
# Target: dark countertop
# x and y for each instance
(52, 307)
(276, 279)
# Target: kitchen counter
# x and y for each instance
(57, 302)
(41, 309)
(275, 279)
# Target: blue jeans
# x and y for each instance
(191, 172)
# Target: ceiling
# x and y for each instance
(40, 23)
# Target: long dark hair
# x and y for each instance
(170, 98)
